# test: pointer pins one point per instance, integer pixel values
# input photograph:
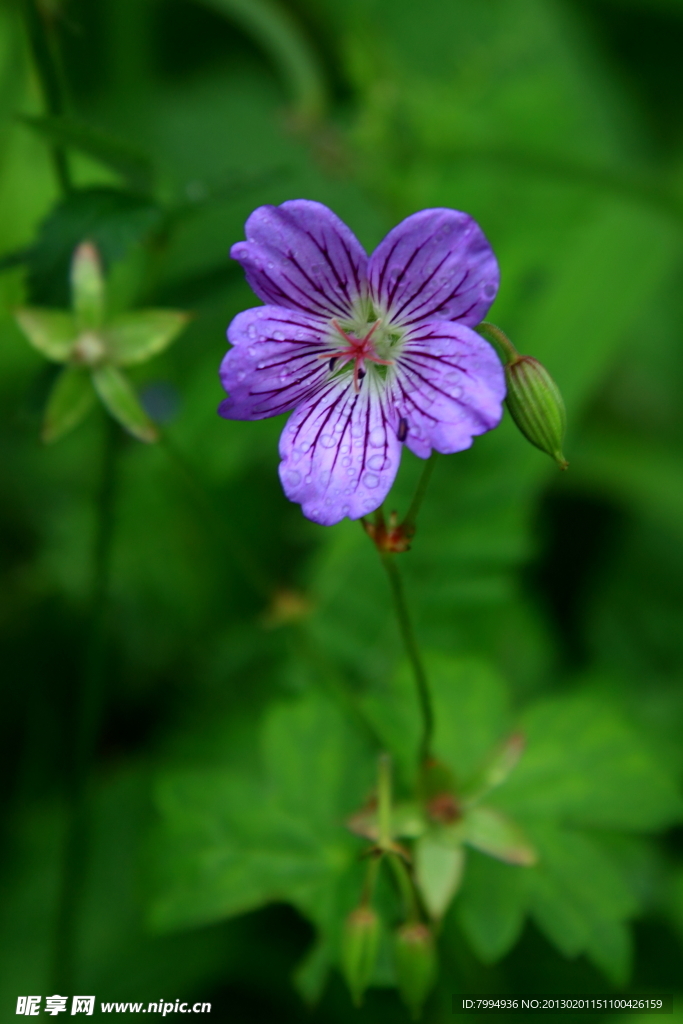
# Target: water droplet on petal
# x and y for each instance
(378, 462)
(251, 331)
(327, 441)
(278, 335)
(377, 437)
(292, 478)
(252, 350)
(305, 447)
(346, 461)
(370, 480)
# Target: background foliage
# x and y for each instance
(237, 740)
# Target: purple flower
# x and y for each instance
(370, 353)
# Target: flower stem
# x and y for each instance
(499, 340)
(410, 521)
(87, 729)
(42, 37)
(413, 651)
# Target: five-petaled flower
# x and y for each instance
(370, 353)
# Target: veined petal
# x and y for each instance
(436, 264)
(340, 453)
(449, 386)
(302, 256)
(275, 362)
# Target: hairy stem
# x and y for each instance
(413, 651)
(42, 37)
(87, 729)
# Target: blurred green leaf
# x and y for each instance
(112, 219)
(579, 900)
(120, 399)
(118, 154)
(71, 399)
(471, 712)
(137, 336)
(492, 905)
(438, 872)
(493, 833)
(586, 765)
(232, 842)
(52, 331)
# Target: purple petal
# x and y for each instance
(449, 387)
(434, 264)
(302, 256)
(340, 453)
(274, 364)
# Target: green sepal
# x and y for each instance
(416, 964)
(71, 399)
(136, 337)
(491, 832)
(120, 399)
(87, 287)
(360, 942)
(536, 405)
(51, 331)
(438, 872)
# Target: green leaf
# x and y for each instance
(118, 395)
(113, 152)
(52, 331)
(438, 872)
(233, 841)
(491, 906)
(136, 337)
(580, 900)
(112, 219)
(87, 287)
(70, 401)
(586, 765)
(491, 832)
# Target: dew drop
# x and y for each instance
(346, 461)
(292, 478)
(305, 447)
(251, 331)
(278, 335)
(378, 462)
(345, 449)
(327, 441)
(370, 480)
(252, 350)
(377, 437)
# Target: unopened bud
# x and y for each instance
(87, 286)
(416, 966)
(360, 940)
(536, 405)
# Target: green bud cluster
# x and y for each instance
(94, 346)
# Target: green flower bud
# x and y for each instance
(536, 405)
(416, 965)
(360, 941)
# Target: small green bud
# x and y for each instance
(536, 405)
(360, 941)
(416, 965)
(87, 287)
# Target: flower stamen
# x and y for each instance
(359, 350)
